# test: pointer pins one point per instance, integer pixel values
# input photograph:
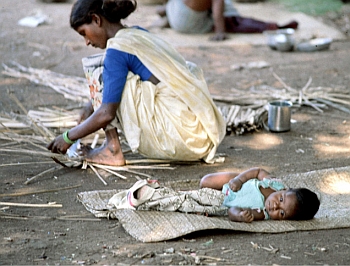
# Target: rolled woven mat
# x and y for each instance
(332, 185)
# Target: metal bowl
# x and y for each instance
(281, 40)
(313, 45)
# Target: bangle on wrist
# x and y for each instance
(66, 138)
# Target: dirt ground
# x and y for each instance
(34, 236)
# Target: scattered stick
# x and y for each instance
(24, 217)
(98, 175)
(125, 168)
(94, 142)
(334, 105)
(117, 168)
(282, 82)
(21, 138)
(286, 257)
(307, 84)
(145, 161)
(37, 192)
(38, 146)
(209, 258)
(227, 251)
(13, 217)
(153, 167)
(32, 152)
(45, 133)
(25, 163)
(308, 253)
(138, 173)
(311, 104)
(114, 173)
(78, 219)
(77, 215)
(31, 205)
(41, 174)
(9, 144)
(62, 218)
(56, 157)
(58, 161)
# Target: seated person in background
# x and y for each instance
(220, 16)
(249, 196)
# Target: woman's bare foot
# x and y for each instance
(293, 25)
(110, 154)
(105, 156)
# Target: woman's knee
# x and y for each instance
(198, 5)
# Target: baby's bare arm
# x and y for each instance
(252, 173)
(237, 214)
(216, 180)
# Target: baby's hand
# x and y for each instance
(246, 216)
(235, 184)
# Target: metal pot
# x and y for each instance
(281, 40)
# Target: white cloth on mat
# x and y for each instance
(153, 197)
(126, 199)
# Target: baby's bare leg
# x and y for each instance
(109, 154)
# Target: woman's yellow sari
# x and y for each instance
(175, 119)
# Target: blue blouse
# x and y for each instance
(117, 64)
(249, 196)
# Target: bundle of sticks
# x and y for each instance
(71, 87)
(240, 120)
(242, 110)
(315, 97)
(44, 117)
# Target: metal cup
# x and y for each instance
(279, 115)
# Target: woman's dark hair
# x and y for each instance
(112, 10)
(307, 204)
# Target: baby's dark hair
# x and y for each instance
(112, 10)
(307, 204)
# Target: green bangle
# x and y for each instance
(66, 139)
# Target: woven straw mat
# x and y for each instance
(332, 185)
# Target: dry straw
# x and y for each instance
(242, 111)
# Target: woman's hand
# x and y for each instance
(100, 119)
(235, 184)
(85, 112)
(58, 145)
(218, 7)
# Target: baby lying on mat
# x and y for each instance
(251, 195)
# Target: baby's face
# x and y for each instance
(280, 205)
